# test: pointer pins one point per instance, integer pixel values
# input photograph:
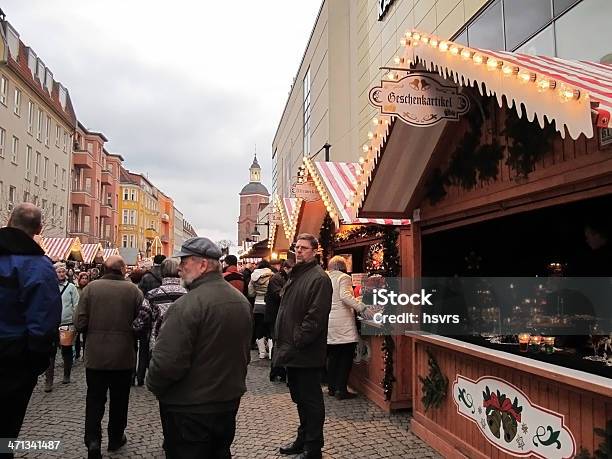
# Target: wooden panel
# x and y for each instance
(582, 409)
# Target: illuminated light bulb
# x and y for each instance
(332, 214)
(371, 135)
(375, 120)
(455, 50)
(416, 36)
(478, 59)
(526, 76)
(509, 70)
(391, 75)
(408, 34)
(398, 60)
(434, 43)
(493, 64)
(544, 84)
(568, 93)
(444, 46)
(466, 53)
(361, 160)
(403, 41)
(365, 148)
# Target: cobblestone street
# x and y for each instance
(267, 418)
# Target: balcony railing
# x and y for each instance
(106, 211)
(82, 159)
(80, 198)
(106, 178)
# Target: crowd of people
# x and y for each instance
(185, 328)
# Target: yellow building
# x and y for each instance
(139, 223)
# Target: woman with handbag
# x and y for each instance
(66, 332)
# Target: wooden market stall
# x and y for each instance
(92, 253)
(62, 248)
(501, 184)
(381, 369)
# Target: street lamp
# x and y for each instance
(256, 232)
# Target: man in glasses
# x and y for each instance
(301, 342)
(199, 362)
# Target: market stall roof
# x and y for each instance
(156, 246)
(91, 252)
(62, 248)
(569, 93)
(336, 182)
(258, 250)
(277, 240)
(289, 209)
(109, 252)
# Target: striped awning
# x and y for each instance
(289, 209)
(561, 90)
(61, 248)
(156, 246)
(340, 180)
(91, 251)
(109, 252)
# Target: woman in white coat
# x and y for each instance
(342, 333)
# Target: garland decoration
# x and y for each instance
(359, 232)
(434, 386)
(388, 347)
(326, 238)
(605, 447)
(391, 259)
(530, 142)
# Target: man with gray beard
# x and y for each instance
(199, 362)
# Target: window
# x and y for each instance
(86, 223)
(132, 217)
(132, 241)
(133, 195)
(15, 150)
(44, 204)
(486, 30)
(125, 216)
(47, 130)
(1, 194)
(26, 196)
(88, 184)
(39, 124)
(3, 89)
(55, 174)
(37, 167)
(560, 6)
(30, 116)
(53, 212)
(61, 216)
(45, 172)
(28, 162)
(11, 197)
(58, 133)
(543, 44)
(126, 194)
(65, 148)
(306, 113)
(2, 140)
(124, 241)
(523, 18)
(63, 179)
(17, 102)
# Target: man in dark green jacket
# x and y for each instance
(301, 343)
(199, 362)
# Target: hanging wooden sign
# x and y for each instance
(420, 99)
(510, 421)
(306, 191)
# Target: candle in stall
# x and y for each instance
(549, 344)
(523, 339)
(534, 343)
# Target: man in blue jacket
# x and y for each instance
(30, 312)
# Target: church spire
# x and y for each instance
(255, 170)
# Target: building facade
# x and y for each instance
(37, 122)
(139, 214)
(188, 230)
(94, 194)
(253, 196)
(179, 235)
(166, 217)
(351, 43)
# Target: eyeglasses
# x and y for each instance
(302, 247)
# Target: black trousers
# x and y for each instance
(261, 326)
(339, 363)
(144, 355)
(118, 384)
(305, 388)
(16, 386)
(198, 435)
(79, 344)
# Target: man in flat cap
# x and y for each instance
(199, 363)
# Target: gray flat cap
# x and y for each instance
(199, 247)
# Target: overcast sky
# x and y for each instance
(182, 89)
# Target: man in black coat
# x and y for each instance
(301, 344)
(273, 300)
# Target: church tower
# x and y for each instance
(254, 195)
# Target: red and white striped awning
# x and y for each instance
(340, 180)
(558, 89)
(90, 252)
(291, 205)
(289, 209)
(109, 252)
(60, 248)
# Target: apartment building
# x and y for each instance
(139, 214)
(94, 196)
(179, 236)
(351, 43)
(166, 217)
(37, 122)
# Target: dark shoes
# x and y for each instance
(115, 445)
(93, 450)
(345, 395)
(331, 392)
(292, 448)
